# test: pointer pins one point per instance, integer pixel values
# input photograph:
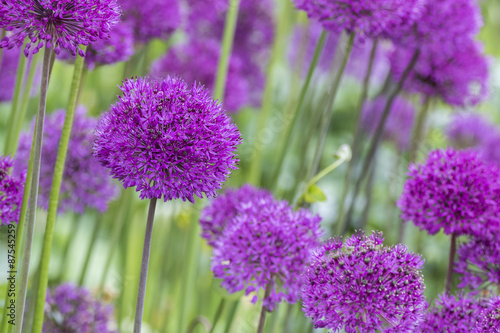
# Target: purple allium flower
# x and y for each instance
(169, 139)
(85, 182)
(9, 60)
(459, 78)
(455, 191)
(399, 124)
(197, 61)
(488, 320)
(368, 18)
(478, 262)
(152, 19)
(224, 208)
(73, 309)
(11, 192)
(266, 243)
(363, 286)
(452, 314)
(469, 130)
(62, 24)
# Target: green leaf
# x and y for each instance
(314, 194)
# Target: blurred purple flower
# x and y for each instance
(60, 24)
(9, 60)
(455, 191)
(169, 139)
(488, 320)
(11, 192)
(469, 130)
(266, 244)
(85, 182)
(363, 286)
(73, 309)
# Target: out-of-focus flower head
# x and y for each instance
(266, 245)
(469, 130)
(224, 208)
(488, 320)
(8, 65)
(85, 182)
(455, 191)
(360, 285)
(60, 24)
(11, 192)
(168, 139)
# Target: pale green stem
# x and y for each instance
(33, 197)
(218, 313)
(88, 255)
(54, 197)
(232, 314)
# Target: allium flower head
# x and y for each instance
(8, 66)
(488, 320)
(85, 182)
(266, 243)
(169, 139)
(360, 285)
(73, 309)
(62, 24)
(399, 124)
(225, 207)
(197, 61)
(455, 191)
(11, 192)
(469, 130)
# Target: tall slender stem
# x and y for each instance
(54, 198)
(232, 314)
(33, 197)
(93, 237)
(451, 260)
(218, 313)
(369, 196)
(141, 294)
(262, 319)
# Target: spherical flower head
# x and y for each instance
(469, 130)
(60, 24)
(8, 65)
(152, 19)
(360, 285)
(224, 208)
(267, 244)
(455, 191)
(460, 78)
(73, 309)
(197, 61)
(452, 314)
(478, 262)
(11, 192)
(85, 182)
(368, 18)
(399, 125)
(167, 138)
(488, 320)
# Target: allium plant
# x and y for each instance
(488, 320)
(11, 192)
(266, 246)
(73, 309)
(360, 285)
(223, 209)
(8, 65)
(85, 182)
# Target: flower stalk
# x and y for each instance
(451, 260)
(263, 311)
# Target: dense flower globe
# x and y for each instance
(360, 285)
(399, 125)
(168, 139)
(455, 191)
(85, 182)
(488, 320)
(197, 61)
(266, 245)
(8, 66)
(11, 192)
(478, 262)
(73, 309)
(223, 209)
(60, 24)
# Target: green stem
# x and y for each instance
(88, 255)
(218, 313)
(369, 196)
(263, 311)
(451, 260)
(287, 133)
(33, 197)
(54, 198)
(232, 314)
(227, 45)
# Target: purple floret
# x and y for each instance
(455, 191)
(73, 309)
(167, 138)
(266, 243)
(11, 192)
(488, 320)
(360, 285)
(60, 24)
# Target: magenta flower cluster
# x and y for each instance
(455, 191)
(360, 285)
(73, 309)
(11, 192)
(167, 138)
(488, 320)
(60, 24)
